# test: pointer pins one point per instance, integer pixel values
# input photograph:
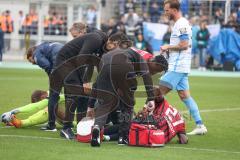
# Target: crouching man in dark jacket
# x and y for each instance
(116, 84)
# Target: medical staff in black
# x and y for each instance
(81, 52)
(116, 84)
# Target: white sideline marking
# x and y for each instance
(31, 137)
(205, 149)
(185, 148)
(19, 78)
(215, 110)
(220, 110)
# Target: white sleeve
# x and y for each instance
(183, 28)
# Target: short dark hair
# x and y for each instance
(161, 60)
(122, 39)
(175, 4)
(119, 36)
(37, 96)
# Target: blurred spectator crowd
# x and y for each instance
(129, 17)
(132, 13)
(54, 23)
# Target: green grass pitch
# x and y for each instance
(218, 99)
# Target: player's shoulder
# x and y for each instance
(183, 21)
(41, 47)
(183, 26)
(97, 32)
(43, 44)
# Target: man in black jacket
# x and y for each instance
(81, 52)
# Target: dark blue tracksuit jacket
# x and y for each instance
(45, 55)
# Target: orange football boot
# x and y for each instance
(16, 122)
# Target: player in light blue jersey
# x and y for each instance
(179, 61)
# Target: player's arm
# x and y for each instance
(182, 32)
(145, 74)
(88, 73)
(147, 80)
(90, 45)
(91, 102)
(32, 107)
(182, 45)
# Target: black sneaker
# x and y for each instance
(95, 140)
(67, 133)
(49, 128)
(122, 141)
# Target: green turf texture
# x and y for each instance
(221, 142)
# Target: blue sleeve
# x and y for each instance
(42, 61)
(184, 37)
(1, 40)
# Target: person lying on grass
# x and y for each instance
(38, 109)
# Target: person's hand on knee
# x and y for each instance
(90, 112)
(87, 87)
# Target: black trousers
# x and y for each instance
(112, 132)
(113, 81)
(67, 75)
